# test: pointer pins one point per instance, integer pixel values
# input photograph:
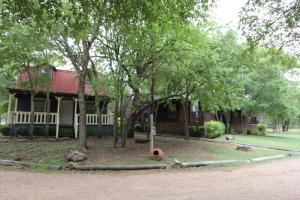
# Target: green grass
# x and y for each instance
(288, 141)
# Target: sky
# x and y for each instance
(227, 12)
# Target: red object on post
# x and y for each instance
(157, 154)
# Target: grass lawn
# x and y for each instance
(289, 141)
(101, 151)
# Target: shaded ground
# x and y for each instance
(101, 151)
(272, 181)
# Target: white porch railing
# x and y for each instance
(39, 117)
(91, 119)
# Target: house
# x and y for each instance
(64, 108)
(169, 118)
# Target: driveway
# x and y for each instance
(276, 180)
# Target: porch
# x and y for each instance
(64, 112)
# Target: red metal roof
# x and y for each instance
(63, 81)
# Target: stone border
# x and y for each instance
(76, 166)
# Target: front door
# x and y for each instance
(66, 112)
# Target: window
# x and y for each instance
(39, 105)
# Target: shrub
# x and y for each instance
(39, 131)
(22, 131)
(254, 131)
(262, 128)
(201, 131)
(214, 129)
(193, 131)
(5, 130)
(138, 127)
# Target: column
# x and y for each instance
(16, 104)
(9, 109)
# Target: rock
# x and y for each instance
(76, 156)
(243, 148)
(18, 158)
(176, 163)
(229, 137)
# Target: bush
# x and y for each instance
(139, 128)
(22, 131)
(193, 131)
(5, 130)
(254, 131)
(39, 131)
(214, 129)
(201, 131)
(262, 128)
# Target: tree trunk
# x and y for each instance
(227, 120)
(274, 126)
(47, 114)
(122, 115)
(116, 122)
(285, 125)
(131, 119)
(152, 107)
(30, 135)
(99, 114)
(185, 118)
(82, 111)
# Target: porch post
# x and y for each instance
(16, 104)
(57, 115)
(9, 108)
(75, 117)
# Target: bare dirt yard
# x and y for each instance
(273, 181)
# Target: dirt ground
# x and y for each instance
(275, 180)
(101, 151)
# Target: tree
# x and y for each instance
(135, 43)
(268, 92)
(23, 50)
(73, 27)
(272, 22)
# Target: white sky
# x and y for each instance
(227, 12)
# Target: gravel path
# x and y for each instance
(276, 180)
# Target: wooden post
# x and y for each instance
(75, 118)
(16, 104)
(9, 108)
(151, 132)
(57, 116)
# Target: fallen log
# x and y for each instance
(17, 163)
(268, 158)
(118, 167)
(27, 164)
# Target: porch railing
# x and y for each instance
(39, 117)
(91, 119)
